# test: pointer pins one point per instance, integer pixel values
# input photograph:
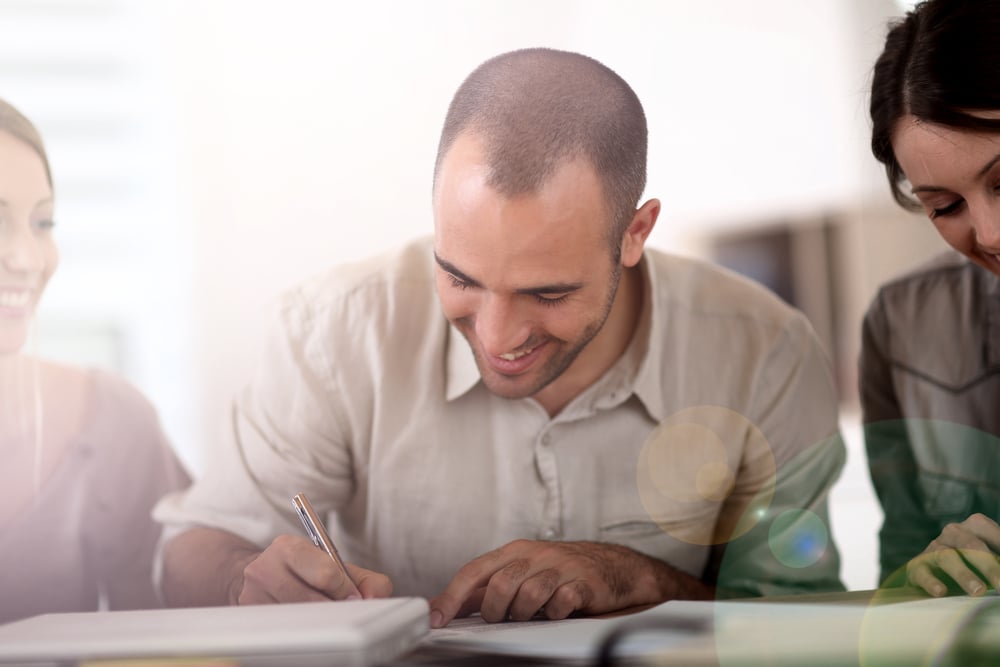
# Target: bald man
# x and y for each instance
(530, 413)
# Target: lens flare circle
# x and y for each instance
(798, 538)
(706, 475)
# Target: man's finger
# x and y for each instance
(570, 597)
(473, 576)
(370, 584)
(317, 570)
(292, 589)
(472, 603)
(254, 595)
(270, 579)
(533, 593)
(501, 589)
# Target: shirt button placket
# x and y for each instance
(551, 513)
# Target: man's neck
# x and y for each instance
(604, 350)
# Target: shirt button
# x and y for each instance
(549, 533)
(546, 438)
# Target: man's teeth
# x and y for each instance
(14, 299)
(511, 356)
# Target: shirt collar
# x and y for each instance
(648, 383)
(462, 372)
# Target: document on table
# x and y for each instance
(577, 639)
(746, 632)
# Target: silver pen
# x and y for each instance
(317, 533)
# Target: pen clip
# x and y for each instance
(308, 524)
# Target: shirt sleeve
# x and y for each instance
(906, 530)
(783, 543)
(284, 436)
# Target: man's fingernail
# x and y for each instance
(437, 618)
(353, 596)
(937, 590)
(976, 588)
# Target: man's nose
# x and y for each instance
(499, 326)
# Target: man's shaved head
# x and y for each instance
(535, 108)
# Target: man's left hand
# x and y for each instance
(526, 578)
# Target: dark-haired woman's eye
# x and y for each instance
(946, 210)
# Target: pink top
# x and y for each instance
(90, 536)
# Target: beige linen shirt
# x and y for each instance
(371, 403)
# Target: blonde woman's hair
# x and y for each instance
(16, 124)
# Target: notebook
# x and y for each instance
(354, 633)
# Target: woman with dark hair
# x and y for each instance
(82, 455)
(930, 360)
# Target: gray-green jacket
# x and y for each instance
(930, 396)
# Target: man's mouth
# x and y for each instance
(511, 356)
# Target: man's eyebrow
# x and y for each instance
(554, 288)
(982, 172)
(453, 270)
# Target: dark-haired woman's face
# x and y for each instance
(956, 176)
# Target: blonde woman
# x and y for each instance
(83, 456)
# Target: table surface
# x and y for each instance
(708, 649)
(705, 650)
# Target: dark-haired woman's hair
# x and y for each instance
(941, 64)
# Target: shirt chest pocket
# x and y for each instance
(957, 468)
(949, 500)
(945, 499)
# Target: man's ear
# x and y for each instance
(638, 231)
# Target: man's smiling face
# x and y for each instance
(528, 280)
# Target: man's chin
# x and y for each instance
(505, 388)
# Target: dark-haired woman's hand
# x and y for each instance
(965, 553)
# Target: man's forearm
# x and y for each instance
(674, 584)
(643, 579)
(204, 567)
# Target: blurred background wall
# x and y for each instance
(207, 154)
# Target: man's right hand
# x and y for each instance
(292, 569)
(206, 566)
